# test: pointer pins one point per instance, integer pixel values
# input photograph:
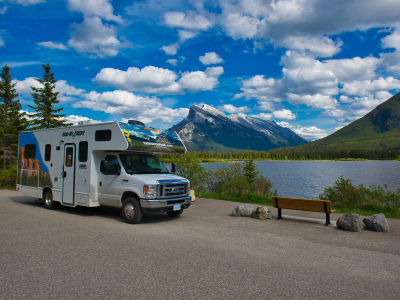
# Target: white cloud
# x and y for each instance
(171, 49)
(172, 61)
(2, 43)
(129, 105)
(27, 2)
(311, 133)
(67, 92)
(315, 101)
(363, 88)
(392, 60)
(91, 8)
(75, 119)
(283, 114)
(239, 26)
(188, 20)
(319, 46)
(211, 58)
(52, 45)
(201, 81)
(94, 37)
(229, 108)
(154, 80)
(185, 35)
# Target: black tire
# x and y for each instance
(131, 210)
(175, 213)
(48, 200)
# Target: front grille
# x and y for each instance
(172, 189)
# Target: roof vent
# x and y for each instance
(134, 122)
(87, 122)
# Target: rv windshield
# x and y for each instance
(142, 164)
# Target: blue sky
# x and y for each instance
(313, 66)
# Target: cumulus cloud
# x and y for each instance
(315, 101)
(91, 8)
(52, 45)
(67, 92)
(363, 88)
(187, 20)
(92, 36)
(185, 35)
(129, 105)
(211, 58)
(283, 114)
(171, 49)
(229, 108)
(154, 80)
(311, 133)
(172, 61)
(319, 46)
(76, 119)
(392, 60)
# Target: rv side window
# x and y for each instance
(83, 151)
(47, 152)
(102, 135)
(113, 165)
(30, 151)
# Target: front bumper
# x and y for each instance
(164, 205)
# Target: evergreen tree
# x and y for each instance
(12, 121)
(250, 171)
(45, 98)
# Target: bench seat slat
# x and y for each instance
(302, 204)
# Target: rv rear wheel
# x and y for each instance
(175, 213)
(131, 210)
(48, 200)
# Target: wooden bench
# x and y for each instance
(303, 204)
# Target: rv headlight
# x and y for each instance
(188, 188)
(150, 191)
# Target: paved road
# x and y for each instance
(205, 254)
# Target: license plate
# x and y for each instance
(177, 207)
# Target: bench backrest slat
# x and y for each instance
(302, 204)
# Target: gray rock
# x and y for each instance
(262, 213)
(350, 222)
(377, 223)
(243, 210)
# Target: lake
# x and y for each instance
(307, 179)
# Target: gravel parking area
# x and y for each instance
(78, 253)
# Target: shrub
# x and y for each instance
(345, 195)
(238, 179)
(8, 177)
(190, 167)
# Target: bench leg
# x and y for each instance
(328, 219)
(279, 214)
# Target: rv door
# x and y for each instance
(68, 174)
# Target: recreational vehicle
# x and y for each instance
(106, 164)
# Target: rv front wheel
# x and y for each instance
(48, 200)
(131, 211)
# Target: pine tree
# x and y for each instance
(45, 98)
(12, 121)
(250, 171)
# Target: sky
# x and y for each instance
(312, 66)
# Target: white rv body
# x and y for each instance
(67, 161)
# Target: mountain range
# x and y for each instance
(208, 128)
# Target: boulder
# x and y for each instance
(377, 223)
(192, 195)
(350, 222)
(262, 213)
(243, 210)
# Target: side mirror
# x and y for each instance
(119, 170)
(104, 166)
(173, 168)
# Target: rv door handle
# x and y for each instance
(64, 174)
(99, 183)
(125, 180)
